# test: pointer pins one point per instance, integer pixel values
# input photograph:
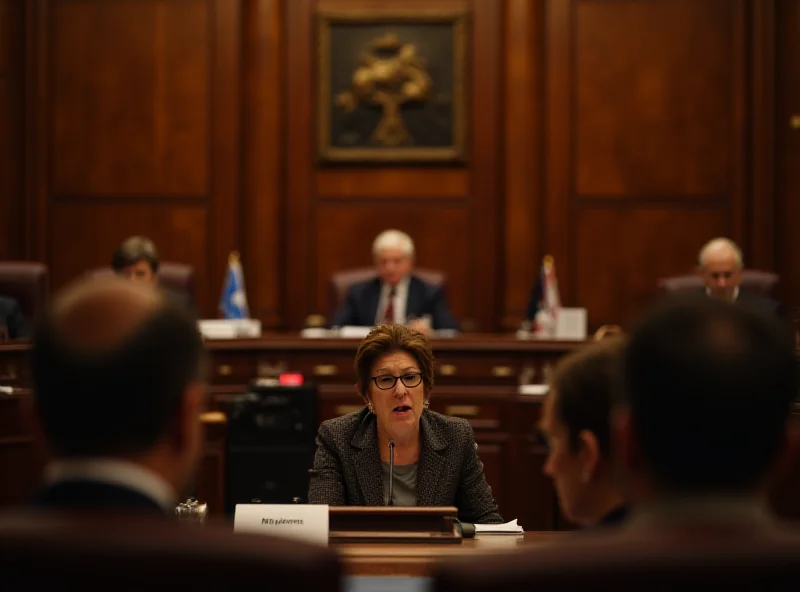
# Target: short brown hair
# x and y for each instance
(133, 250)
(584, 384)
(386, 339)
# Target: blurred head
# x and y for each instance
(388, 352)
(575, 422)
(118, 372)
(721, 267)
(708, 388)
(137, 259)
(393, 252)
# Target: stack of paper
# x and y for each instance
(507, 528)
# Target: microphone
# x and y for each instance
(390, 501)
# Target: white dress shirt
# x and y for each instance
(400, 300)
(114, 472)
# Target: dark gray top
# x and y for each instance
(404, 486)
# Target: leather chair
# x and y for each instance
(341, 282)
(696, 560)
(763, 283)
(47, 551)
(29, 284)
(176, 277)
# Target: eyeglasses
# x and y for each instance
(387, 381)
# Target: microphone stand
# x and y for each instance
(390, 502)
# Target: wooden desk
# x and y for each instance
(418, 560)
(477, 378)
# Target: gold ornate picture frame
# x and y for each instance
(392, 86)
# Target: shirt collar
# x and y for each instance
(115, 472)
(735, 293)
(711, 509)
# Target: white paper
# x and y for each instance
(229, 328)
(354, 332)
(571, 323)
(307, 522)
(507, 528)
(534, 389)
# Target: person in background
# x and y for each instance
(137, 259)
(703, 421)
(721, 266)
(12, 322)
(436, 457)
(119, 384)
(396, 295)
(576, 425)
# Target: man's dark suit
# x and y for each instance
(94, 495)
(361, 304)
(11, 317)
(756, 301)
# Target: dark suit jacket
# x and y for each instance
(361, 304)
(95, 495)
(11, 317)
(347, 466)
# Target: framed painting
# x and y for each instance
(392, 86)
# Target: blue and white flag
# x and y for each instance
(233, 304)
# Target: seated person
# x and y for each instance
(117, 373)
(137, 259)
(576, 424)
(721, 267)
(396, 295)
(12, 321)
(436, 457)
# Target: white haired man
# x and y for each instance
(721, 265)
(395, 295)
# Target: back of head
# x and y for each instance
(110, 363)
(710, 387)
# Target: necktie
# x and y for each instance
(388, 314)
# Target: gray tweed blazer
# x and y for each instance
(347, 466)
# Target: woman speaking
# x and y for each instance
(435, 457)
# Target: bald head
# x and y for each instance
(721, 268)
(111, 362)
(98, 314)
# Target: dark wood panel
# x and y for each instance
(788, 145)
(133, 127)
(344, 235)
(635, 118)
(485, 90)
(12, 163)
(523, 170)
(86, 234)
(6, 39)
(262, 157)
(130, 97)
(652, 116)
(614, 277)
(388, 183)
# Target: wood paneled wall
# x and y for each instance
(616, 135)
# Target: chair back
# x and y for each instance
(28, 283)
(103, 552)
(763, 283)
(739, 560)
(176, 277)
(341, 281)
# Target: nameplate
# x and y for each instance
(307, 522)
